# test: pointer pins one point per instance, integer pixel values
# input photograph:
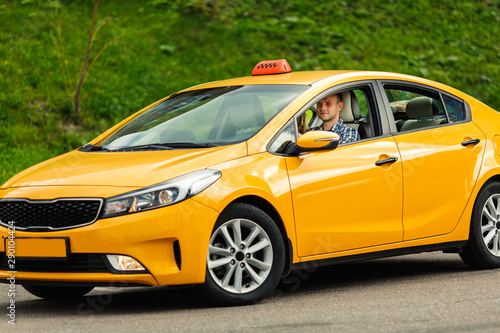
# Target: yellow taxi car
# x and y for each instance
(225, 185)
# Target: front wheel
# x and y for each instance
(245, 257)
(483, 250)
(57, 293)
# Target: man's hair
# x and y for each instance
(338, 95)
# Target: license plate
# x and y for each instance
(42, 247)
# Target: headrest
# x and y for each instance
(243, 117)
(246, 112)
(421, 107)
(350, 112)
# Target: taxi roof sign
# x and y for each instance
(267, 67)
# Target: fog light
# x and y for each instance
(124, 263)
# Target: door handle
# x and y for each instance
(385, 161)
(470, 142)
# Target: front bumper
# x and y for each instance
(170, 242)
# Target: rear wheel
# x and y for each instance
(245, 257)
(483, 250)
(52, 292)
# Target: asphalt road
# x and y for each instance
(431, 292)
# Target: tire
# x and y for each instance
(483, 249)
(55, 293)
(245, 258)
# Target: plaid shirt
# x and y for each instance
(346, 133)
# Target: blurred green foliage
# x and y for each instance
(161, 46)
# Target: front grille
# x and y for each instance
(42, 215)
(76, 263)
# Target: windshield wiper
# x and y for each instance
(168, 146)
(190, 145)
(151, 146)
(90, 147)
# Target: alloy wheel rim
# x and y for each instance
(240, 256)
(490, 224)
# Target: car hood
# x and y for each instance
(122, 169)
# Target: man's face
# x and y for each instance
(329, 108)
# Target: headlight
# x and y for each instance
(162, 194)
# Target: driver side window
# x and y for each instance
(287, 136)
(357, 113)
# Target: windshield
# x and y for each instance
(204, 118)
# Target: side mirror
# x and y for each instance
(314, 141)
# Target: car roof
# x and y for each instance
(313, 78)
(294, 78)
(324, 78)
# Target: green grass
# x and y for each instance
(161, 46)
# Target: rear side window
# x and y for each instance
(455, 108)
(417, 107)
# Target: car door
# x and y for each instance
(342, 199)
(441, 158)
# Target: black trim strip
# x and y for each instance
(381, 254)
(115, 283)
(288, 263)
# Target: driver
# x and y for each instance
(329, 111)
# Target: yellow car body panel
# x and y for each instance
(332, 194)
(141, 168)
(261, 176)
(439, 176)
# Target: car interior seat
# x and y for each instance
(244, 114)
(420, 112)
(351, 115)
